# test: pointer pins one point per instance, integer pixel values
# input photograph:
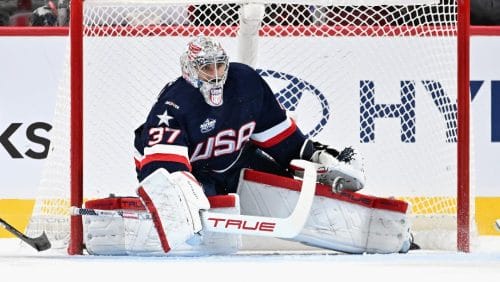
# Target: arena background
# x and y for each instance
(33, 64)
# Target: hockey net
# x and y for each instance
(378, 75)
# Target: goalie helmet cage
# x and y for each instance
(340, 65)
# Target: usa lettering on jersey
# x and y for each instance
(225, 142)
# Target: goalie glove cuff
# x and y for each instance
(342, 170)
(310, 147)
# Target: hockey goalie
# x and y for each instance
(217, 140)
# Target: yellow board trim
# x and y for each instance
(487, 212)
(18, 211)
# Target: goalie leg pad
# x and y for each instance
(347, 221)
(174, 201)
(138, 236)
(120, 236)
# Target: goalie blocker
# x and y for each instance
(347, 222)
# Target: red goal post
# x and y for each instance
(330, 62)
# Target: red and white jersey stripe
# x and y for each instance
(166, 153)
(275, 134)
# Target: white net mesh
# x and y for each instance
(382, 78)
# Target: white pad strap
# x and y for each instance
(348, 222)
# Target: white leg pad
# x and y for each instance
(131, 236)
(165, 198)
(120, 236)
(347, 222)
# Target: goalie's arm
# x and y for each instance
(340, 169)
(161, 144)
(276, 133)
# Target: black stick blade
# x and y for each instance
(40, 243)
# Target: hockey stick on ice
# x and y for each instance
(288, 227)
(110, 213)
(40, 243)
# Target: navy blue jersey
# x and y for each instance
(182, 132)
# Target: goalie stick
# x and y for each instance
(40, 243)
(288, 227)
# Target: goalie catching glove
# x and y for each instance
(341, 170)
(174, 201)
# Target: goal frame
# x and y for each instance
(463, 144)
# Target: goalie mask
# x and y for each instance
(205, 65)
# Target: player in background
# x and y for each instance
(45, 15)
(210, 123)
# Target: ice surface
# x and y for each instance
(18, 263)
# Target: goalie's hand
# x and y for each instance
(343, 170)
